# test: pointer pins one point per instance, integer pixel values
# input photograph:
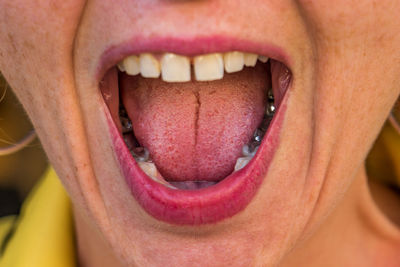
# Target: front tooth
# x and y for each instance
(242, 162)
(131, 65)
(247, 152)
(263, 59)
(234, 61)
(250, 59)
(209, 67)
(175, 68)
(149, 66)
(121, 66)
(149, 168)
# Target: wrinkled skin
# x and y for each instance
(314, 201)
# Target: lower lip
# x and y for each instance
(204, 206)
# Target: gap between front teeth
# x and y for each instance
(177, 68)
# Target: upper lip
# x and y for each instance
(188, 47)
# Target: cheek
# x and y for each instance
(36, 43)
(36, 48)
(358, 80)
(357, 55)
(350, 20)
(36, 40)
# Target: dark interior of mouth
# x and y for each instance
(194, 132)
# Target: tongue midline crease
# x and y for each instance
(110, 88)
(142, 156)
(144, 161)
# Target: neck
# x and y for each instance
(93, 250)
(352, 234)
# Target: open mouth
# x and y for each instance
(195, 134)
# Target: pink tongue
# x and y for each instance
(195, 131)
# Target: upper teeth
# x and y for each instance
(250, 60)
(234, 61)
(131, 65)
(209, 67)
(149, 66)
(176, 68)
(263, 59)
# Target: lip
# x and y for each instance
(215, 203)
(186, 47)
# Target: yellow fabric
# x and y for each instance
(6, 223)
(44, 231)
(383, 162)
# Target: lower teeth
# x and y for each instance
(142, 155)
(192, 185)
(242, 162)
(251, 148)
(125, 121)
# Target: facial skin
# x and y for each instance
(312, 208)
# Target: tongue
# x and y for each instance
(195, 131)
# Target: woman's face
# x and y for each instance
(344, 60)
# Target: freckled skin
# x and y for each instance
(345, 60)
